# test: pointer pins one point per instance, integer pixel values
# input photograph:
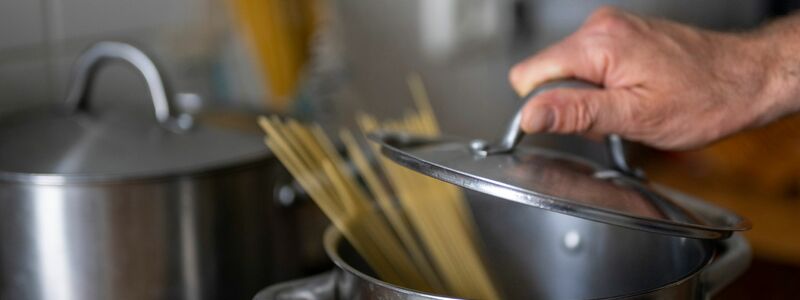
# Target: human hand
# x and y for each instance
(665, 84)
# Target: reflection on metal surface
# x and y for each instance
(572, 240)
(55, 272)
(189, 245)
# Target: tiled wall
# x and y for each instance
(198, 51)
(40, 39)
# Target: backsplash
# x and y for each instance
(191, 40)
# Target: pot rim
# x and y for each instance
(332, 238)
(49, 179)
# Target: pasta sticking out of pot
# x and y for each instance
(414, 231)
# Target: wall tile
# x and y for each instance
(21, 23)
(98, 18)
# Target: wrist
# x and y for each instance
(776, 48)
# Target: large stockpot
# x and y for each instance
(108, 205)
(535, 254)
(557, 226)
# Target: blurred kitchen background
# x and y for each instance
(323, 60)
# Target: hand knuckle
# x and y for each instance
(561, 119)
(608, 20)
(576, 116)
(584, 113)
(604, 11)
(557, 124)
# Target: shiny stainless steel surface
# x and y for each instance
(204, 236)
(77, 97)
(560, 183)
(535, 254)
(105, 205)
(80, 144)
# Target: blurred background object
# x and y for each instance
(324, 60)
(279, 33)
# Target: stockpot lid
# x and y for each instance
(559, 182)
(76, 144)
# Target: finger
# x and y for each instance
(567, 59)
(577, 111)
(546, 65)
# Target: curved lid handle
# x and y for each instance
(91, 60)
(514, 134)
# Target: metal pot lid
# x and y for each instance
(78, 144)
(559, 182)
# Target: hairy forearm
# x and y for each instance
(777, 47)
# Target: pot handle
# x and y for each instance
(733, 259)
(90, 61)
(514, 134)
(317, 287)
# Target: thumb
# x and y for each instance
(576, 111)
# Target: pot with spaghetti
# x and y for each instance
(424, 216)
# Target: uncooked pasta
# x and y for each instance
(413, 230)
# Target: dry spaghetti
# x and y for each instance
(422, 235)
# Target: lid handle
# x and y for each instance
(90, 61)
(513, 134)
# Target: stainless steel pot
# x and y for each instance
(536, 254)
(108, 205)
(556, 226)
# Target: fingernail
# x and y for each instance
(539, 120)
